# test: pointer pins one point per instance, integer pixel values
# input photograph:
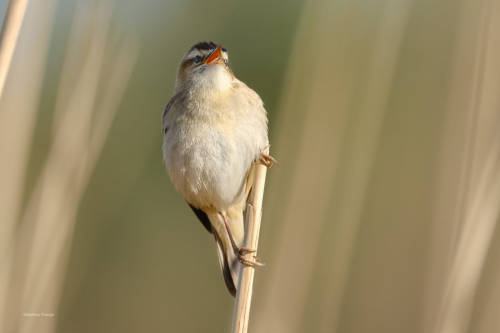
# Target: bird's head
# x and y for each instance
(204, 59)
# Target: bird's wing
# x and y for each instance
(202, 216)
(169, 106)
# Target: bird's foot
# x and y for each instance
(247, 258)
(267, 160)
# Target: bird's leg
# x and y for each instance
(267, 160)
(243, 253)
(236, 249)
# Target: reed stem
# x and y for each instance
(9, 36)
(243, 300)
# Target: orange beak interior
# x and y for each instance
(214, 56)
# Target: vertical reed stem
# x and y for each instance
(241, 313)
(8, 38)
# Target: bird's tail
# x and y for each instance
(228, 266)
(228, 234)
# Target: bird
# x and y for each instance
(215, 131)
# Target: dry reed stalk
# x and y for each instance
(18, 105)
(60, 185)
(473, 143)
(253, 216)
(83, 117)
(9, 36)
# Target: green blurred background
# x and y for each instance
(380, 217)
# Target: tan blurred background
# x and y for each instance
(380, 217)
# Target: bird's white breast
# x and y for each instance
(213, 137)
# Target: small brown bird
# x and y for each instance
(215, 130)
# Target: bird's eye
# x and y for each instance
(197, 59)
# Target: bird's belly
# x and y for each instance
(206, 166)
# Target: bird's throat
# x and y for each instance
(212, 80)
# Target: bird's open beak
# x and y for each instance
(215, 56)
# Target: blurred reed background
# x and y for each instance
(381, 217)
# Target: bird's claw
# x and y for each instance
(267, 160)
(246, 258)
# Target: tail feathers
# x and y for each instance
(224, 234)
(228, 266)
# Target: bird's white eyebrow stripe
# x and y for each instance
(194, 53)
